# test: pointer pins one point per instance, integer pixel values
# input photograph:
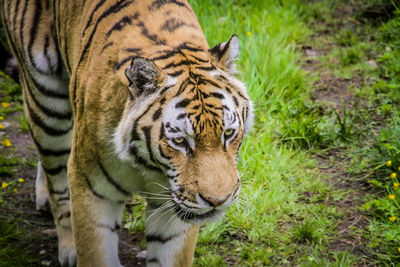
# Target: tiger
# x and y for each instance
(125, 97)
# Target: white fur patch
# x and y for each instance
(166, 226)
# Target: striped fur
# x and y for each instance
(126, 96)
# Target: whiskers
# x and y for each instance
(164, 194)
(161, 211)
(242, 203)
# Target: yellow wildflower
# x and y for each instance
(262, 119)
(6, 142)
(15, 189)
(395, 185)
(398, 249)
(1, 118)
(4, 185)
(398, 168)
(389, 163)
(5, 104)
(393, 175)
(391, 197)
(249, 34)
(20, 180)
(1, 126)
(392, 218)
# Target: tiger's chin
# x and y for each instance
(195, 218)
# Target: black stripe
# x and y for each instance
(22, 24)
(177, 50)
(16, 8)
(206, 68)
(183, 86)
(153, 260)
(154, 159)
(223, 52)
(172, 176)
(160, 239)
(162, 129)
(236, 101)
(111, 10)
(126, 20)
(134, 151)
(58, 192)
(162, 154)
(49, 93)
(47, 111)
(220, 77)
(152, 37)
(94, 192)
(183, 103)
(33, 34)
(147, 134)
(173, 24)
(106, 46)
(47, 129)
(118, 65)
(135, 134)
(242, 96)
(54, 171)
(176, 73)
(112, 229)
(185, 46)
(111, 180)
(138, 51)
(66, 55)
(168, 54)
(62, 199)
(217, 95)
(181, 116)
(48, 152)
(200, 59)
(166, 88)
(99, 4)
(207, 81)
(187, 215)
(159, 3)
(180, 63)
(157, 114)
(64, 215)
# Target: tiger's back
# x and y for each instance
(126, 96)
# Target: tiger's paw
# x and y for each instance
(67, 254)
(42, 201)
(42, 193)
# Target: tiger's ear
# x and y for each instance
(227, 53)
(144, 77)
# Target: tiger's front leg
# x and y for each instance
(170, 241)
(96, 218)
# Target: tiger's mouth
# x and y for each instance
(196, 218)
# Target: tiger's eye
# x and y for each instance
(179, 140)
(228, 132)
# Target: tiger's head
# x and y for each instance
(186, 117)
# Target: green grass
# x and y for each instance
(272, 225)
(12, 251)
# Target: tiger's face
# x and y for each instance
(189, 126)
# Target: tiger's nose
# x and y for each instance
(211, 202)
